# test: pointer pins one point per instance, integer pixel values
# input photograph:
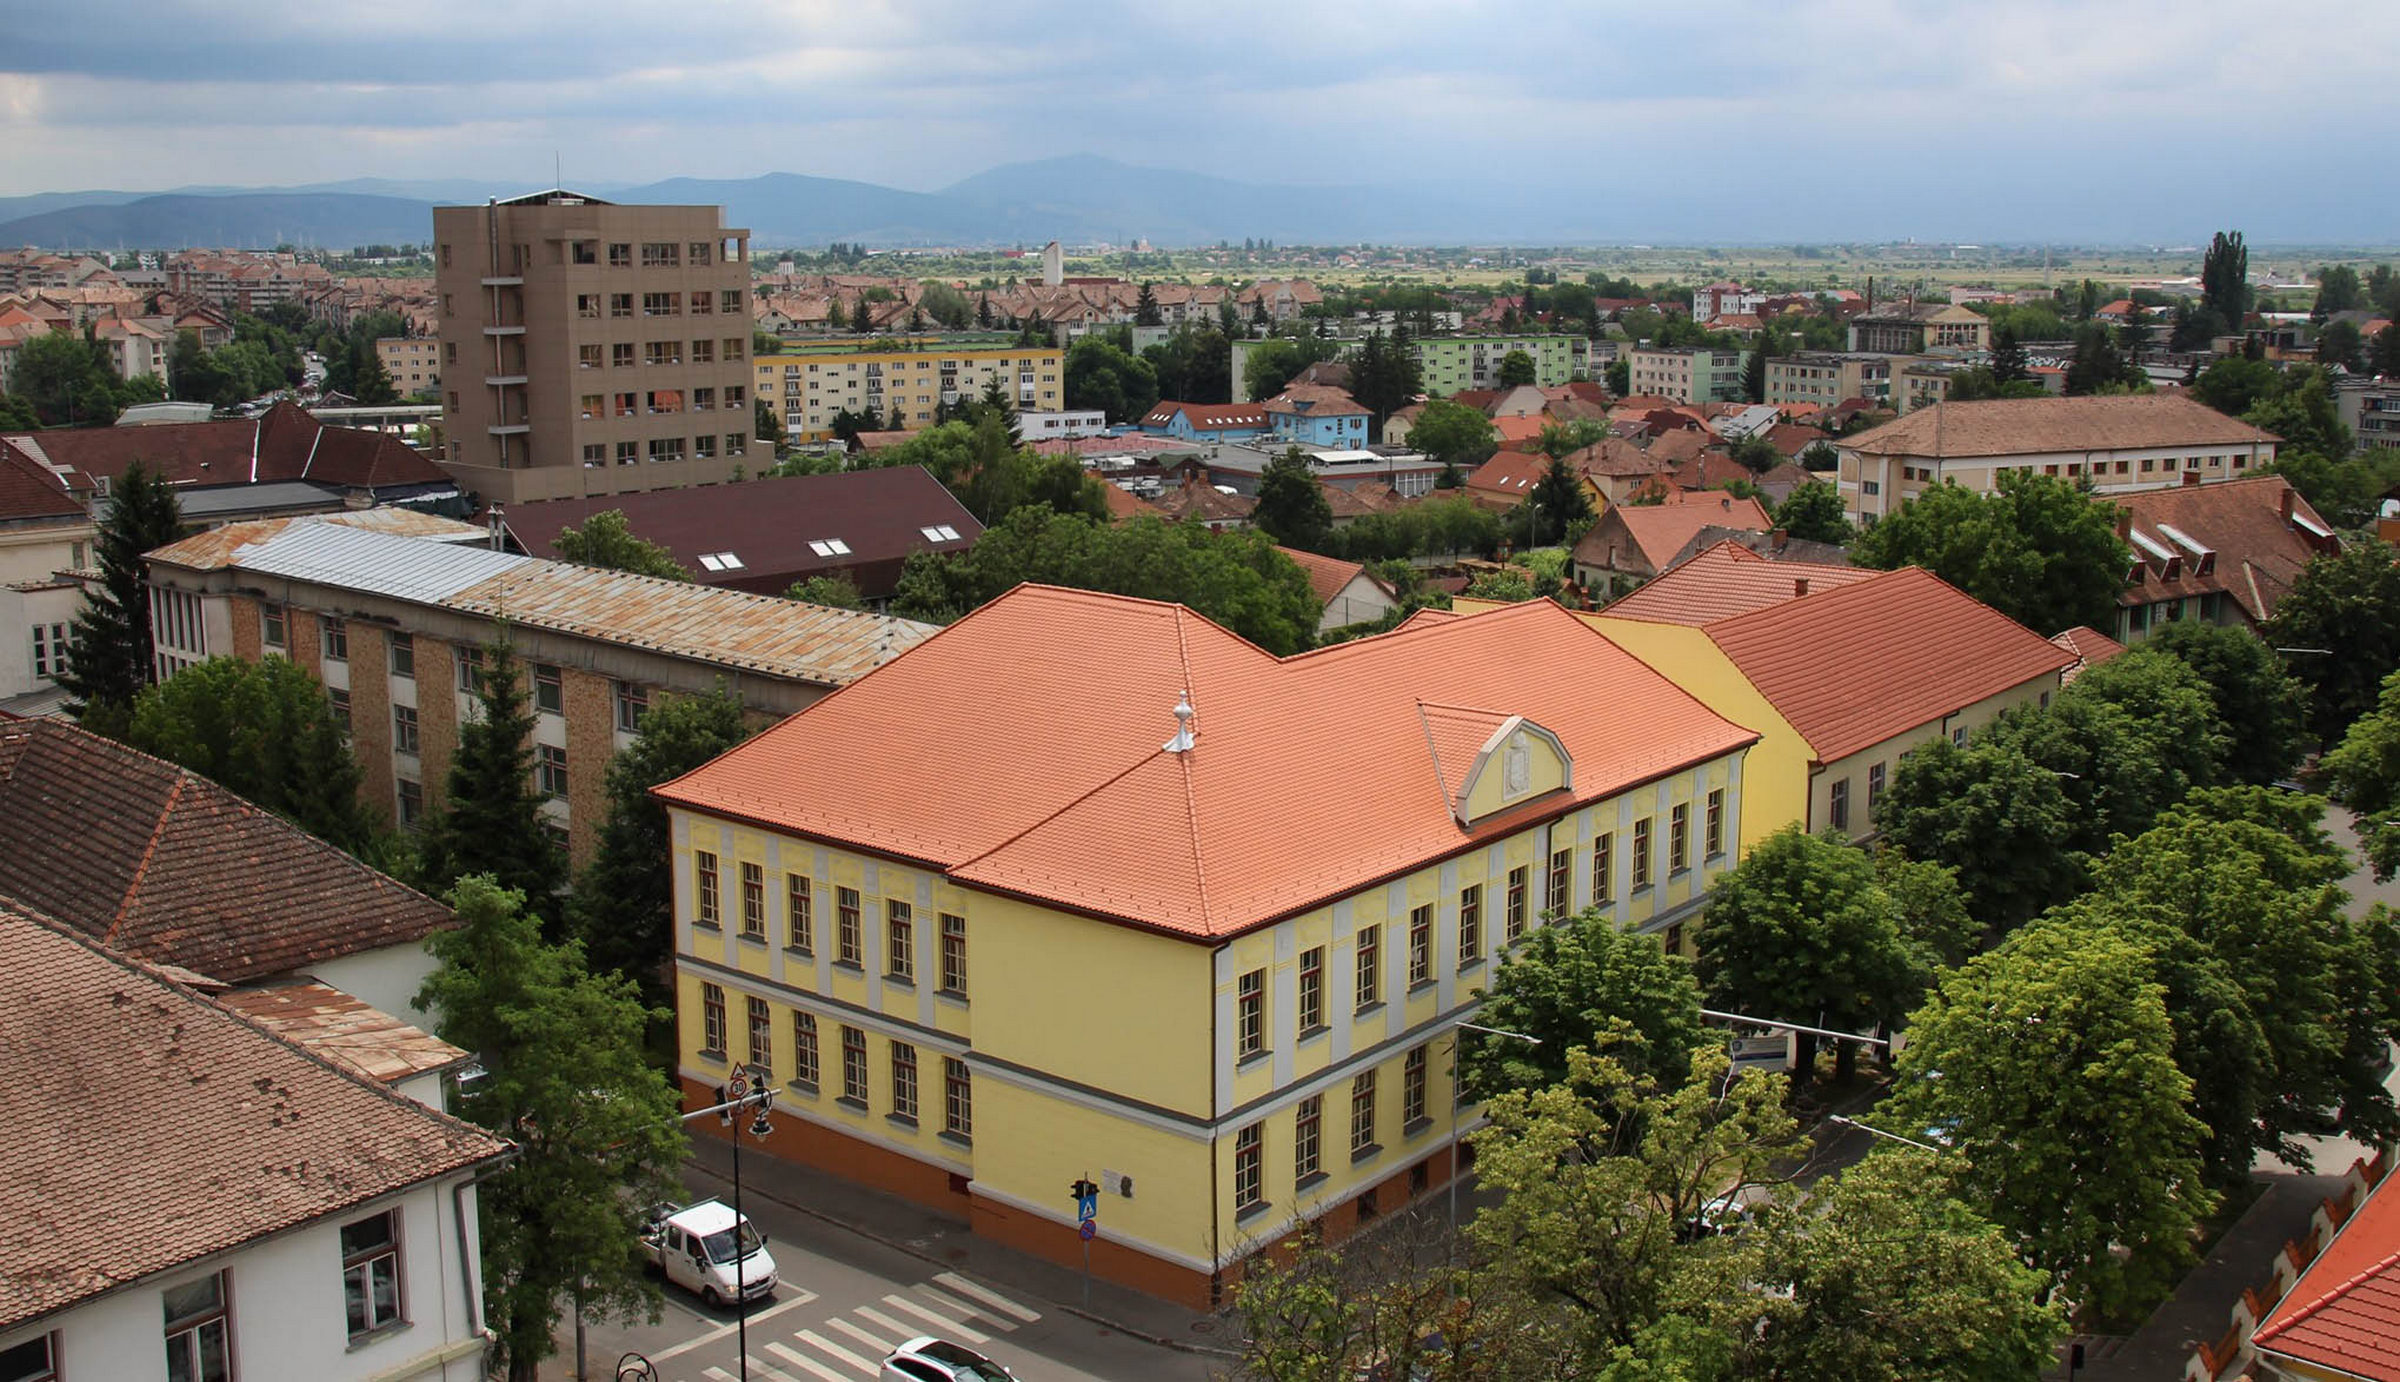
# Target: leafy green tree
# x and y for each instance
(66, 377)
(764, 425)
(1517, 367)
(109, 654)
(1619, 377)
(2347, 603)
(1276, 361)
(1145, 308)
(2040, 550)
(2339, 344)
(1558, 440)
(265, 731)
(2347, 493)
(2338, 290)
(1571, 982)
(1453, 433)
(2256, 698)
(606, 540)
(1558, 505)
(1511, 584)
(2303, 413)
(1292, 508)
(2363, 771)
(2130, 738)
(491, 822)
(1995, 817)
(2009, 365)
(568, 1079)
(1814, 513)
(1099, 375)
(2383, 358)
(2098, 366)
(2225, 279)
(623, 909)
(2048, 1063)
(1802, 930)
(836, 591)
(2233, 385)
(1384, 375)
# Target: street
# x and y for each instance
(845, 1300)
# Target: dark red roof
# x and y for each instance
(769, 525)
(163, 865)
(30, 490)
(284, 443)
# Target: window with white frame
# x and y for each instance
(49, 654)
(371, 1273)
(199, 1330)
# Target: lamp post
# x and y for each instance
(1458, 1031)
(756, 1094)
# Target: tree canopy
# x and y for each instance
(266, 731)
(1573, 982)
(2258, 702)
(2039, 550)
(1292, 508)
(1453, 433)
(109, 652)
(490, 821)
(1517, 367)
(2348, 604)
(607, 540)
(1814, 513)
(1103, 375)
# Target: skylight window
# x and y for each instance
(942, 533)
(829, 547)
(720, 561)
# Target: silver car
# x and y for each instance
(928, 1359)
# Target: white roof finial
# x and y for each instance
(1183, 740)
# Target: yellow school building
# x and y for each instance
(1184, 919)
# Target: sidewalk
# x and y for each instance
(2201, 1308)
(947, 1243)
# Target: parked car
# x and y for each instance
(696, 1249)
(927, 1359)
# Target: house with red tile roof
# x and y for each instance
(2339, 1320)
(1842, 672)
(1285, 876)
(1347, 591)
(1207, 421)
(1197, 501)
(2225, 553)
(1632, 543)
(2090, 646)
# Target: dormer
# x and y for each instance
(1490, 761)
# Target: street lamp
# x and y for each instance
(754, 1093)
(1457, 1097)
(1862, 1127)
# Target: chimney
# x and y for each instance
(2124, 524)
(1799, 587)
(1781, 537)
(2191, 478)
(2286, 504)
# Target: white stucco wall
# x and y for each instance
(385, 979)
(285, 1300)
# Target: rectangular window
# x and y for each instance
(412, 802)
(470, 669)
(1362, 1111)
(736, 443)
(550, 771)
(900, 936)
(549, 689)
(1557, 902)
(954, 955)
(958, 1098)
(1875, 779)
(804, 1048)
(1604, 867)
(712, 1019)
(762, 1033)
(705, 401)
(704, 869)
(1520, 886)
(799, 902)
(1250, 1014)
(371, 1273)
(1308, 1136)
(854, 1066)
(199, 1336)
(1412, 1088)
(620, 355)
(35, 1360)
(661, 255)
(1312, 989)
(845, 916)
(339, 698)
(336, 638)
(734, 348)
(1420, 945)
(633, 702)
(1837, 803)
(904, 1081)
(587, 357)
(754, 901)
(271, 633)
(703, 304)
(1716, 821)
(1470, 924)
(587, 305)
(593, 405)
(666, 448)
(1248, 1183)
(620, 256)
(662, 305)
(704, 352)
(1679, 837)
(1369, 973)
(1641, 852)
(729, 300)
(404, 729)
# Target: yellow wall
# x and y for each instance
(1775, 776)
(1858, 767)
(1546, 771)
(825, 380)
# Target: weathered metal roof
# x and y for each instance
(405, 568)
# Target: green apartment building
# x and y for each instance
(1452, 363)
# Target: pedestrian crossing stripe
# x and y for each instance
(870, 1340)
(834, 1350)
(898, 1302)
(945, 1311)
(991, 1298)
(801, 1360)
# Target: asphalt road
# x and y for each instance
(844, 1300)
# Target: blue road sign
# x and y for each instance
(1087, 1207)
(1088, 1230)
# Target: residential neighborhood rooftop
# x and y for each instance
(2023, 426)
(1233, 833)
(1728, 580)
(340, 1028)
(2247, 539)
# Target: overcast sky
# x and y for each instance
(1991, 118)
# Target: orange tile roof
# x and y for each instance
(343, 1030)
(1853, 666)
(2025, 426)
(2344, 1311)
(2255, 552)
(2090, 647)
(1661, 530)
(1509, 473)
(1058, 788)
(1726, 581)
(1327, 576)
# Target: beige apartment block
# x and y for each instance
(413, 362)
(591, 348)
(1827, 378)
(810, 388)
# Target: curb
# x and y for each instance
(1161, 1340)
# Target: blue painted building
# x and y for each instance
(1317, 415)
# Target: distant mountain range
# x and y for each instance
(1077, 199)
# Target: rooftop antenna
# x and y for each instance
(1183, 740)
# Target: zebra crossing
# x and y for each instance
(850, 1346)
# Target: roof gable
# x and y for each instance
(1727, 580)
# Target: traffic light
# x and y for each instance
(1082, 1189)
